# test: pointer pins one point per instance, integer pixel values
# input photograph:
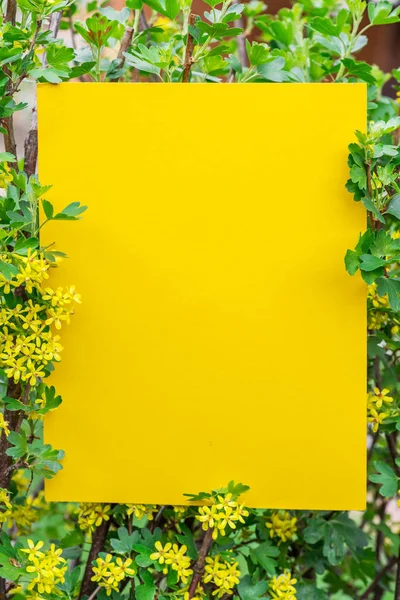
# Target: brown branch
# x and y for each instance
(9, 137)
(391, 440)
(11, 11)
(14, 419)
(200, 562)
(31, 140)
(378, 577)
(98, 541)
(187, 65)
(125, 44)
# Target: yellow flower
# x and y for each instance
(283, 586)
(141, 510)
(379, 397)
(108, 573)
(282, 525)
(376, 418)
(222, 513)
(5, 174)
(162, 552)
(20, 481)
(45, 567)
(172, 554)
(224, 574)
(91, 515)
(4, 425)
(33, 550)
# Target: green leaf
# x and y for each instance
(70, 212)
(19, 445)
(324, 25)
(273, 70)
(23, 245)
(248, 590)
(314, 532)
(391, 287)
(393, 207)
(8, 270)
(258, 53)
(370, 262)
(8, 570)
(369, 205)
(7, 157)
(125, 542)
(381, 13)
(310, 591)
(352, 262)
(48, 208)
(384, 244)
(359, 176)
(264, 555)
(147, 590)
(386, 478)
(359, 70)
(187, 539)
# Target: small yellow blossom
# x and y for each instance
(109, 572)
(283, 586)
(91, 515)
(175, 556)
(4, 425)
(141, 510)
(379, 397)
(282, 525)
(47, 568)
(376, 418)
(222, 513)
(222, 573)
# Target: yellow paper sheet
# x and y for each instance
(220, 336)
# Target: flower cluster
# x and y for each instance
(142, 510)
(27, 342)
(91, 515)
(48, 568)
(224, 511)
(376, 400)
(21, 515)
(172, 554)
(108, 572)
(282, 525)
(283, 587)
(222, 573)
(377, 315)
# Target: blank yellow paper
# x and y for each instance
(220, 336)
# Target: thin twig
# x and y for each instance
(125, 45)
(200, 562)
(94, 594)
(98, 540)
(187, 65)
(391, 440)
(378, 577)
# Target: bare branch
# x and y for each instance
(187, 65)
(200, 562)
